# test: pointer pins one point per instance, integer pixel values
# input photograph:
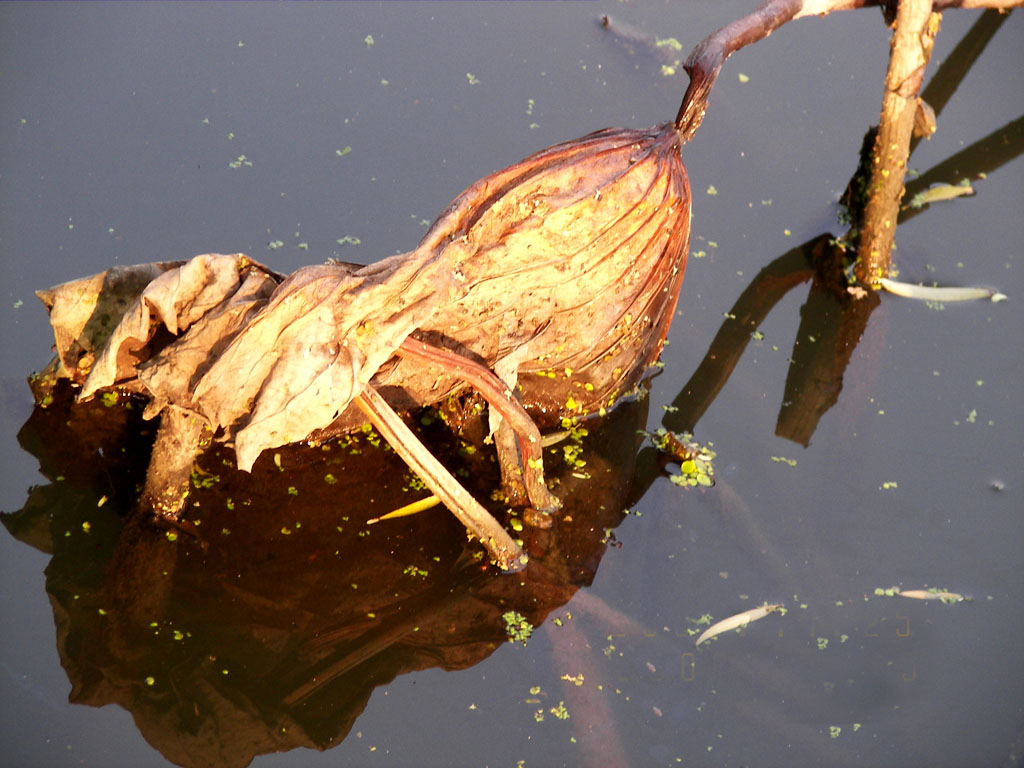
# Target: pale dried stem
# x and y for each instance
(460, 502)
(706, 60)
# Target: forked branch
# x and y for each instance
(915, 24)
(706, 60)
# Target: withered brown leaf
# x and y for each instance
(559, 273)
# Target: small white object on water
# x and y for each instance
(937, 293)
(738, 621)
(928, 594)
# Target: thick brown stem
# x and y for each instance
(494, 391)
(706, 60)
(916, 27)
(460, 502)
(168, 479)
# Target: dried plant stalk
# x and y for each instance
(914, 34)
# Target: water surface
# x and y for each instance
(122, 123)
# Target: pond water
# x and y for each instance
(296, 133)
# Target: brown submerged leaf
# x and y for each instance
(285, 605)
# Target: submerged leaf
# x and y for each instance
(409, 509)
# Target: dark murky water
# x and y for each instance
(120, 126)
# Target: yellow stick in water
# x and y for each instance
(408, 509)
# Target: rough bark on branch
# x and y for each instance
(913, 37)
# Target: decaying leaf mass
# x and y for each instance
(547, 286)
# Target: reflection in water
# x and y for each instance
(832, 323)
(268, 620)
